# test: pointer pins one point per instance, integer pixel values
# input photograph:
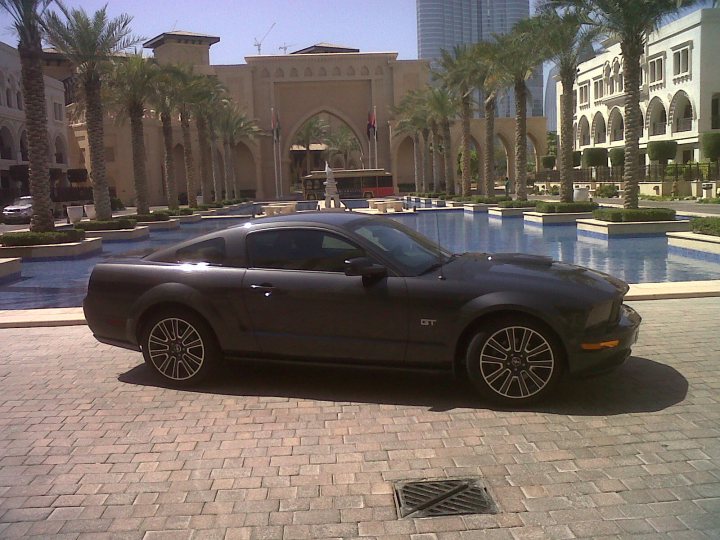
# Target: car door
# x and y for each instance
(302, 304)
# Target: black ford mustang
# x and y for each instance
(346, 287)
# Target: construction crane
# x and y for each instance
(284, 47)
(258, 44)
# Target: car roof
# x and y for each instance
(317, 217)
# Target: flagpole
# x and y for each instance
(272, 126)
(280, 176)
(375, 136)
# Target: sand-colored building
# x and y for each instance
(336, 82)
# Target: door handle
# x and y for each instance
(265, 288)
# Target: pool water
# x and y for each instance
(47, 284)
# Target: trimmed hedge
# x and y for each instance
(517, 204)
(113, 225)
(706, 225)
(607, 191)
(620, 215)
(41, 238)
(548, 162)
(711, 146)
(714, 200)
(154, 216)
(565, 208)
(617, 156)
(595, 157)
(662, 151)
(577, 158)
(178, 212)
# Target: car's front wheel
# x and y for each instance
(179, 347)
(514, 361)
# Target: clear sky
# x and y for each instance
(368, 25)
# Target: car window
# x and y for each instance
(409, 251)
(300, 249)
(210, 251)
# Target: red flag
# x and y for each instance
(371, 125)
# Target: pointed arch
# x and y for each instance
(656, 117)
(279, 73)
(616, 125)
(350, 71)
(308, 72)
(364, 71)
(336, 71)
(599, 129)
(681, 112)
(322, 72)
(583, 132)
(294, 72)
(359, 134)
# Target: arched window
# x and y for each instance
(19, 100)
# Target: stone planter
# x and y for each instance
(75, 213)
(192, 218)
(10, 269)
(509, 212)
(595, 227)
(71, 250)
(703, 246)
(120, 235)
(90, 211)
(168, 225)
(537, 218)
(477, 208)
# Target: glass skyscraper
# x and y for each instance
(442, 24)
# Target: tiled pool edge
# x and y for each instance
(29, 318)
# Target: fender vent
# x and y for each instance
(433, 498)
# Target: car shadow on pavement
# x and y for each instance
(639, 385)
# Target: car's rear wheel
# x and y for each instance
(515, 361)
(179, 347)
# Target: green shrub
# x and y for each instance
(617, 215)
(711, 146)
(617, 156)
(706, 225)
(484, 199)
(555, 190)
(715, 200)
(662, 151)
(565, 208)
(607, 191)
(548, 162)
(227, 202)
(178, 212)
(517, 204)
(577, 158)
(112, 225)
(41, 238)
(154, 216)
(595, 157)
(116, 204)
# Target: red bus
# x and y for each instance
(351, 184)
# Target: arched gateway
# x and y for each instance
(323, 79)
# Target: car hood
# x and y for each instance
(15, 208)
(522, 271)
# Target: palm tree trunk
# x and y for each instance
(465, 164)
(426, 159)
(307, 158)
(631, 53)
(449, 160)
(137, 136)
(189, 162)
(36, 119)
(435, 158)
(229, 176)
(94, 115)
(419, 165)
(217, 181)
(489, 158)
(170, 185)
(566, 138)
(521, 140)
(205, 157)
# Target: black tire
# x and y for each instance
(519, 374)
(180, 347)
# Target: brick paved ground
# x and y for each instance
(91, 446)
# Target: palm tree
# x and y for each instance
(630, 23)
(409, 120)
(520, 55)
(164, 100)
(491, 79)
(189, 90)
(443, 109)
(566, 40)
(26, 16)
(88, 42)
(209, 93)
(234, 126)
(460, 73)
(342, 141)
(314, 130)
(130, 86)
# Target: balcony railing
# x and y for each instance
(683, 124)
(655, 172)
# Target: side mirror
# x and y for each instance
(363, 266)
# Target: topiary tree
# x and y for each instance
(662, 151)
(595, 157)
(548, 162)
(711, 146)
(617, 156)
(577, 158)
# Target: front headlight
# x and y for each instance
(599, 314)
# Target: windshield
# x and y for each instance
(22, 201)
(411, 252)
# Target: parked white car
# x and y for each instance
(20, 211)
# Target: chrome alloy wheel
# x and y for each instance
(517, 362)
(176, 349)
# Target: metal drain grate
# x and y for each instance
(431, 498)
